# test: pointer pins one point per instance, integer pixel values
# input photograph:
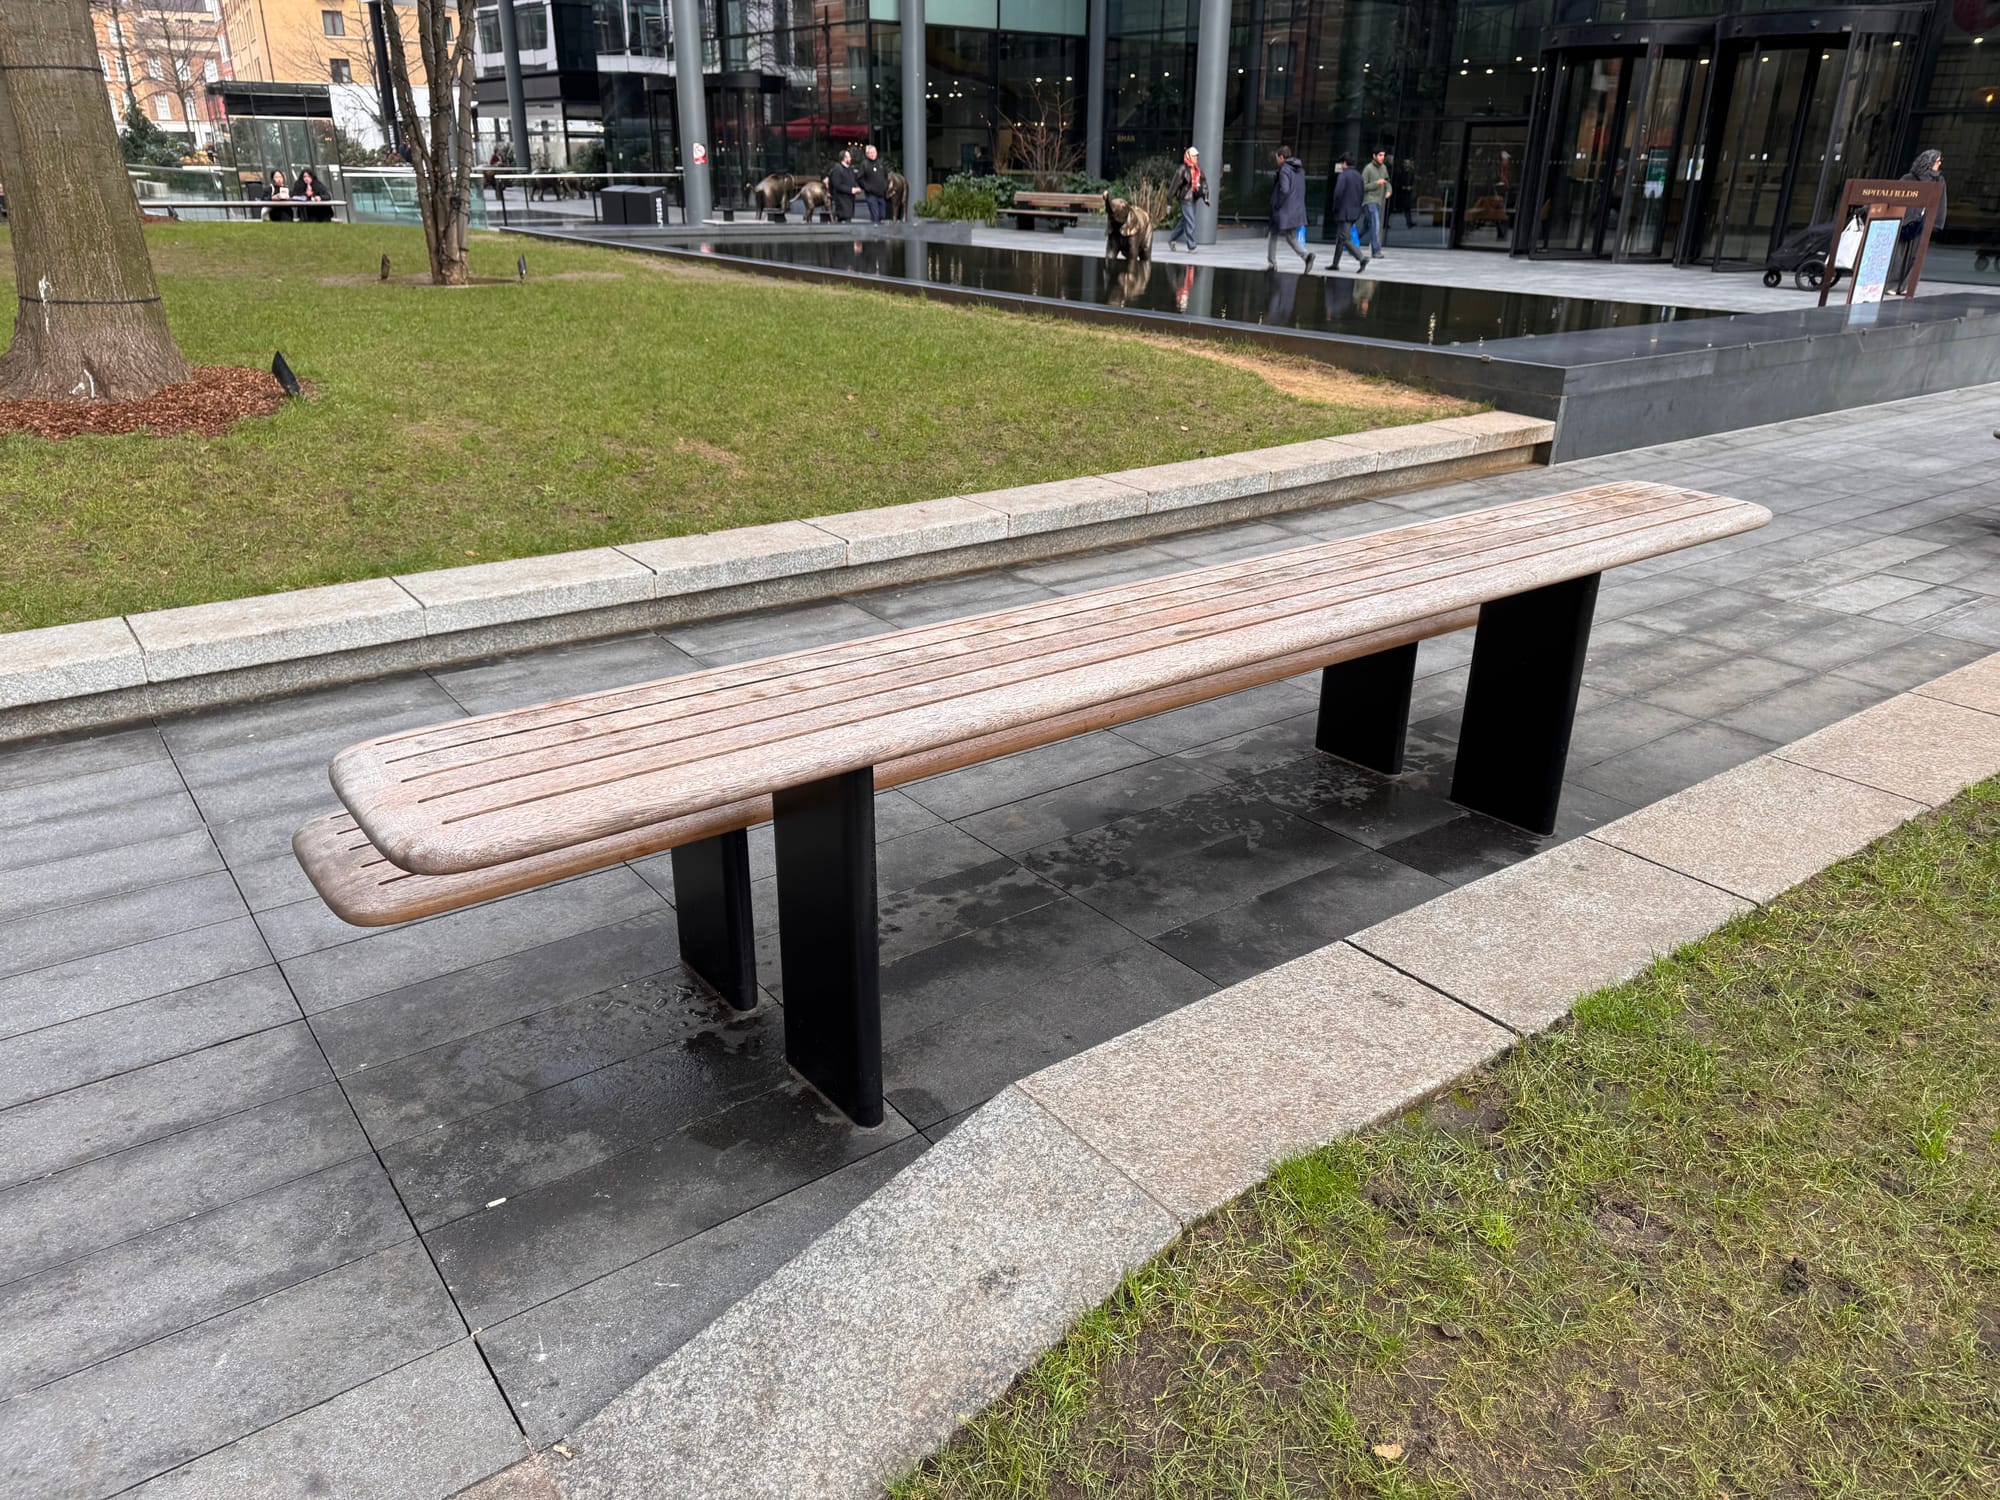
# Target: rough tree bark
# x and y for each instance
(441, 152)
(89, 325)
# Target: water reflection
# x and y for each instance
(1335, 303)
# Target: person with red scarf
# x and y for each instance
(1188, 188)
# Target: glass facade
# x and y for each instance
(1672, 130)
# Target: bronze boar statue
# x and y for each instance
(899, 196)
(1128, 230)
(774, 194)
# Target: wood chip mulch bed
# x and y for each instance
(209, 404)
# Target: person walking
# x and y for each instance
(1402, 182)
(1288, 208)
(1375, 190)
(843, 186)
(1187, 189)
(1928, 167)
(1347, 200)
(875, 186)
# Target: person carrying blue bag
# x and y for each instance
(1288, 208)
(1346, 205)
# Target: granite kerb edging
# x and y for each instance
(864, 1353)
(101, 672)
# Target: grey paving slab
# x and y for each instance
(1521, 945)
(100, 1046)
(36, 762)
(460, 1005)
(29, 890)
(97, 811)
(141, 1289)
(224, 743)
(562, 671)
(117, 921)
(423, 1431)
(1280, 925)
(1046, 816)
(951, 598)
(109, 1198)
(509, 1257)
(1199, 723)
(102, 981)
(863, 1353)
(1164, 866)
(106, 1427)
(1914, 746)
(563, 1361)
(381, 959)
(746, 637)
(1793, 713)
(1761, 828)
(1197, 1106)
(706, 1059)
(938, 1073)
(958, 794)
(1661, 767)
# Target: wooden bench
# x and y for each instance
(1060, 209)
(444, 817)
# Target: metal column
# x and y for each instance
(827, 939)
(712, 915)
(517, 106)
(692, 115)
(916, 113)
(1093, 83)
(1364, 708)
(1211, 83)
(1520, 703)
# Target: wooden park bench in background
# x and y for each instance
(1060, 210)
(444, 817)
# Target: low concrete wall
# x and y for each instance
(103, 672)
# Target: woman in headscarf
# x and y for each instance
(1928, 167)
(1187, 189)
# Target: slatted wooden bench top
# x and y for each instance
(582, 782)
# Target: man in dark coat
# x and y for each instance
(1346, 206)
(1288, 208)
(843, 187)
(874, 185)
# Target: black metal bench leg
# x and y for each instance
(1520, 704)
(1364, 708)
(827, 939)
(712, 915)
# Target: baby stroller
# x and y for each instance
(1804, 253)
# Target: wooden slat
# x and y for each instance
(360, 885)
(517, 787)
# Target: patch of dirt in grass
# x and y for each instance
(209, 404)
(721, 457)
(1307, 379)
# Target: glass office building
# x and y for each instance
(1664, 130)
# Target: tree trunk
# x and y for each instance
(441, 154)
(89, 325)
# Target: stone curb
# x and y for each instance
(102, 672)
(864, 1353)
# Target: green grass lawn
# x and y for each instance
(1734, 1231)
(613, 397)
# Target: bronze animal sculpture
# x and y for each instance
(775, 193)
(813, 191)
(1128, 230)
(899, 196)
